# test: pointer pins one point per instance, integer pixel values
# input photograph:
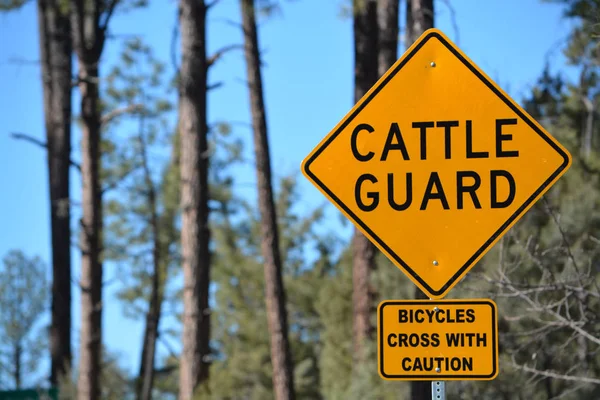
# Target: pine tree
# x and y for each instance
(364, 252)
(275, 295)
(56, 68)
(195, 235)
(141, 213)
(23, 298)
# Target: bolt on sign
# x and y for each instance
(437, 339)
(435, 163)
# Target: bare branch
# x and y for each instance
(214, 86)
(22, 61)
(30, 139)
(229, 22)
(111, 115)
(566, 322)
(212, 4)
(37, 142)
(89, 79)
(174, 35)
(221, 52)
(163, 339)
(453, 20)
(117, 182)
(109, 12)
(555, 375)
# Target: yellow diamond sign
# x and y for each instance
(435, 163)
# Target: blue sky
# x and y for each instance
(308, 80)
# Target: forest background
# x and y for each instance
(543, 53)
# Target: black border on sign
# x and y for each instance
(436, 376)
(502, 228)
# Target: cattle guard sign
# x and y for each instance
(435, 163)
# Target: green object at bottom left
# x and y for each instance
(29, 394)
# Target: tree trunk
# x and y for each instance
(419, 18)
(365, 76)
(388, 14)
(18, 351)
(145, 381)
(88, 39)
(56, 68)
(281, 359)
(195, 234)
(88, 385)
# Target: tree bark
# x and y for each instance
(88, 386)
(365, 76)
(419, 18)
(387, 16)
(281, 359)
(56, 68)
(195, 234)
(88, 39)
(17, 355)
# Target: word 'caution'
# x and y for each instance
(450, 339)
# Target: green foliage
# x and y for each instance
(10, 5)
(23, 300)
(115, 383)
(23, 294)
(138, 83)
(243, 367)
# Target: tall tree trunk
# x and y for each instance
(56, 68)
(387, 16)
(17, 355)
(419, 18)
(88, 385)
(195, 234)
(89, 21)
(281, 359)
(145, 381)
(365, 76)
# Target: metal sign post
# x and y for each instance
(438, 390)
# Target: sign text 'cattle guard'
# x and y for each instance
(435, 163)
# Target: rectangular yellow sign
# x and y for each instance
(437, 340)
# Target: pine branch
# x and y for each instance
(22, 61)
(37, 142)
(221, 52)
(214, 86)
(111, 115)
(117, 182)
(229, 22)
(453, 20)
